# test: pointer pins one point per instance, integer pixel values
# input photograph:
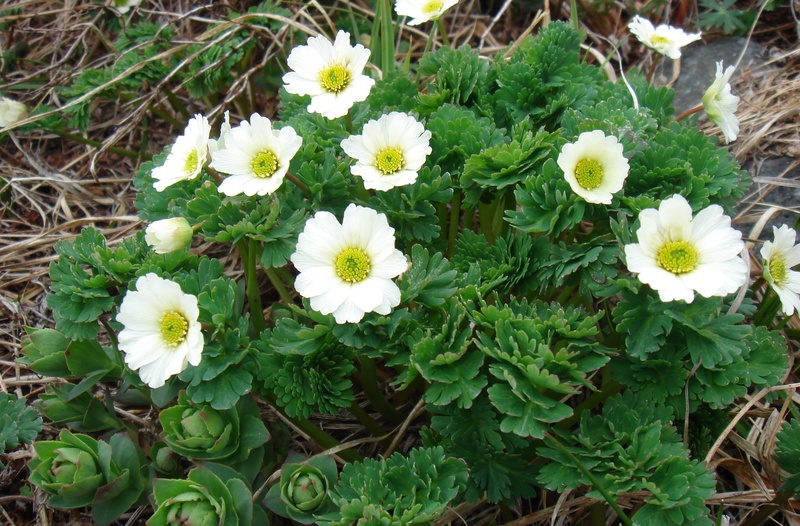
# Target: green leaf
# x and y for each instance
(19, 424)
(786, 455)
(429, 281)
(641, 317)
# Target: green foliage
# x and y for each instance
(153, 205)
(394, 92)
(84, 277)
(81, 411)
(411, 209)
(498, 463)
(88, 86)
(43, 351)
(397, 490)
(546, 204)
(222, 376)
(631, 447)
(502, 266)
(212, 66)
(234, 437)
(314, 382)
(78, 471)
(723, 15)
(212, 493)
(458, 133)
(543, 78)
(506, 165)
(304, 488)
(538, 353)
(682, 160)
(460, 76)
(19, 424)
(786, 455)
(429, 281)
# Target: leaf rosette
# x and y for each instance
(229, 436)
(303, 491)
(212, 495)
(68, 469)
(77, 471)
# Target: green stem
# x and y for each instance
(387, 38)
(299, 184)
(176, 103)
(372, 426)
(247, 249)
(609, 389)
(455, 215)
(768, 309)
(96, 144)
(369, 381)
(317, 435)
(592, 479)
(348, 123)
(443, 31)
(652, 71)
(280, 287)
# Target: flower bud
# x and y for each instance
(11, 111)
(306, 490)
(192, 509)
(169, 235)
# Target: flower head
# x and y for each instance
(256, 157)
(720, 104)
(347, 268)
(330, 73)
(678, 255)
(161, 333)
(215, 145)
(11, 112)
(123, 6)
(188, 155)
(423, 10)
(594, 166)
(779, 257)
(664, 39)
(390, 151)
(168, 235)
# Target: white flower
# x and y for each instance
(390, 151)
(779, 257)
(214, 145)
(168, 235)
(347, 269)
(677, 255)
(330, 73)
(594, 166)
(720, 104)
(256, 157)
(11, 112)
(664, 39)
(422, 11)
(161, 333)
(123, 6)
(188, 155)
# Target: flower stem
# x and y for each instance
(317, 435)
(443, 31)
(369, 382)
(652, 71)
(550, 440)
(690, 111)
(247, 249)
(768, 308)
(372, 426)
(609, 389)
(455, 215)
(97, 144)
(348, 122)
(299, 184)
(280, 287)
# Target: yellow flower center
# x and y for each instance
(678, 257)
(191, 162)
(777, 270)
(334, 78)
(264, 164)
(352, 265)
(174, 327)
(389, 160)
(432, 7)
(658, 39)
(589, 173)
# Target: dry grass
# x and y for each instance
(54, 187)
